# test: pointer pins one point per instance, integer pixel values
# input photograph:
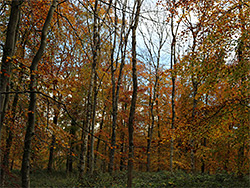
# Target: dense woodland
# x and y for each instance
(124, 85)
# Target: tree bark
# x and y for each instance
(92, 155)
(51, 153)
(84, 145)
(134, 96)
(32, 104)
(69, 164)
(195, 88)
(5, 161)
(99, 137)
(8, 53)
(116, 88)
(173, 77)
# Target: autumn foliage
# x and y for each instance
(87, 62)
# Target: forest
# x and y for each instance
(124, 93)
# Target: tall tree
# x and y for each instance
(32, 103)
(134, 94)
(8, 53)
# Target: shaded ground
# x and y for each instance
(141, 179)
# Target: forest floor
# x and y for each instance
(141, 179)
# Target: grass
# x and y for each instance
(141, 179)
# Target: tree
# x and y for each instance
(8, 53)
(134, 95)
(32, 104)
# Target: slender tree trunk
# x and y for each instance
(134, 97)
(122, 161)
(122, 152)
(84, 145)
(116, 88)
(149, 138)
(195, 87)
(5, 162)
(32, 104)
(159, 134)
(99, 137)
(92, 155)
(204, 143)
(8, 52)
(53, 141)
(51, 153)
(69, 165)
(173, 62)
(152, 114)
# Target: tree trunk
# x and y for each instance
(69, 165)
(159, 134)
(92, 155)
(8, 52)
(122, 161)
(99, 137)
(5, 162)
(134, 97)
(173, 76)
(32, 104)
(204, 143)
(84, 145)
(51, 153)
(195, 88)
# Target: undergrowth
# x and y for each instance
(141, 179)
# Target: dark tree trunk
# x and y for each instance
(95, 47)
(195, 88)
(69, 164)
(204, 143)
(8, 52)
(122, 152)
(32, 104)
(51, 153)
(173, 77)
(116, 87)
(134, 97)
(5, 162)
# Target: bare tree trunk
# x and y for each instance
(159, 133)
(69, 164)
(204, 143)
(53, 141)
(8, 52)
(5, 162)
(32, 104)
(51, 153)
(86, 126)
(195, 87)
(99, 137)
(173, 62)
(92, 155)
(116, 88)
(134, 96)
(122, 149)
